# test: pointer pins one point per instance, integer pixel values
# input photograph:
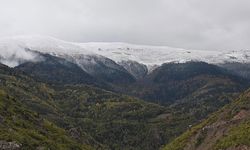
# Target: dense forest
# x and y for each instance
(39, 114)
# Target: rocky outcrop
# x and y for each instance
(4, 145)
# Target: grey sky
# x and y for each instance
(193, 24)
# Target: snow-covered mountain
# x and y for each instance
(157, 55)
(15, 50)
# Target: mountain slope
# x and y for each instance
(172, 82)
(226, 129)
(139, 71)
(99, 118)
(96, 117)
(191, 90)
(56, 70)
(240, 69)
(91, 116)
(29, 50)
(103, 68)
(52, 77)
(21, 128)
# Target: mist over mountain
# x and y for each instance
(124, 75)
(150, 56)
(112, 95)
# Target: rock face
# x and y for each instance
(4, 145)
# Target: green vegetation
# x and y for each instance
(61, 116)
(239, 135)
(231, 124)
(195, 81)
(30, 130)
(82, 115)
(180, 142)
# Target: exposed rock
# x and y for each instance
(74, 133)
(241, 115)
(4, 145)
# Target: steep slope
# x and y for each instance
(226, 129)
(56, 70)
(21, 128)
(121, 122)
(191, 90)
(139, 71)
(97, 117)
(29, 50)
(103, 68)
(91, 116)
(176, 81)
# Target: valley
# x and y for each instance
(62, 95)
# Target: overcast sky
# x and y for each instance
(192, 24)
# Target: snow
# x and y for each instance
(151, 56)
(12, 54)
(44, 44)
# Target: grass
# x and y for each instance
(239, 135)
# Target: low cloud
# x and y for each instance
(14, 54)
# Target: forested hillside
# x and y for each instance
(228, 129)
(85, 116)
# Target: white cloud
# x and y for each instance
(194, 24)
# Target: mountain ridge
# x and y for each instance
(80, 88)
(148, 55)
